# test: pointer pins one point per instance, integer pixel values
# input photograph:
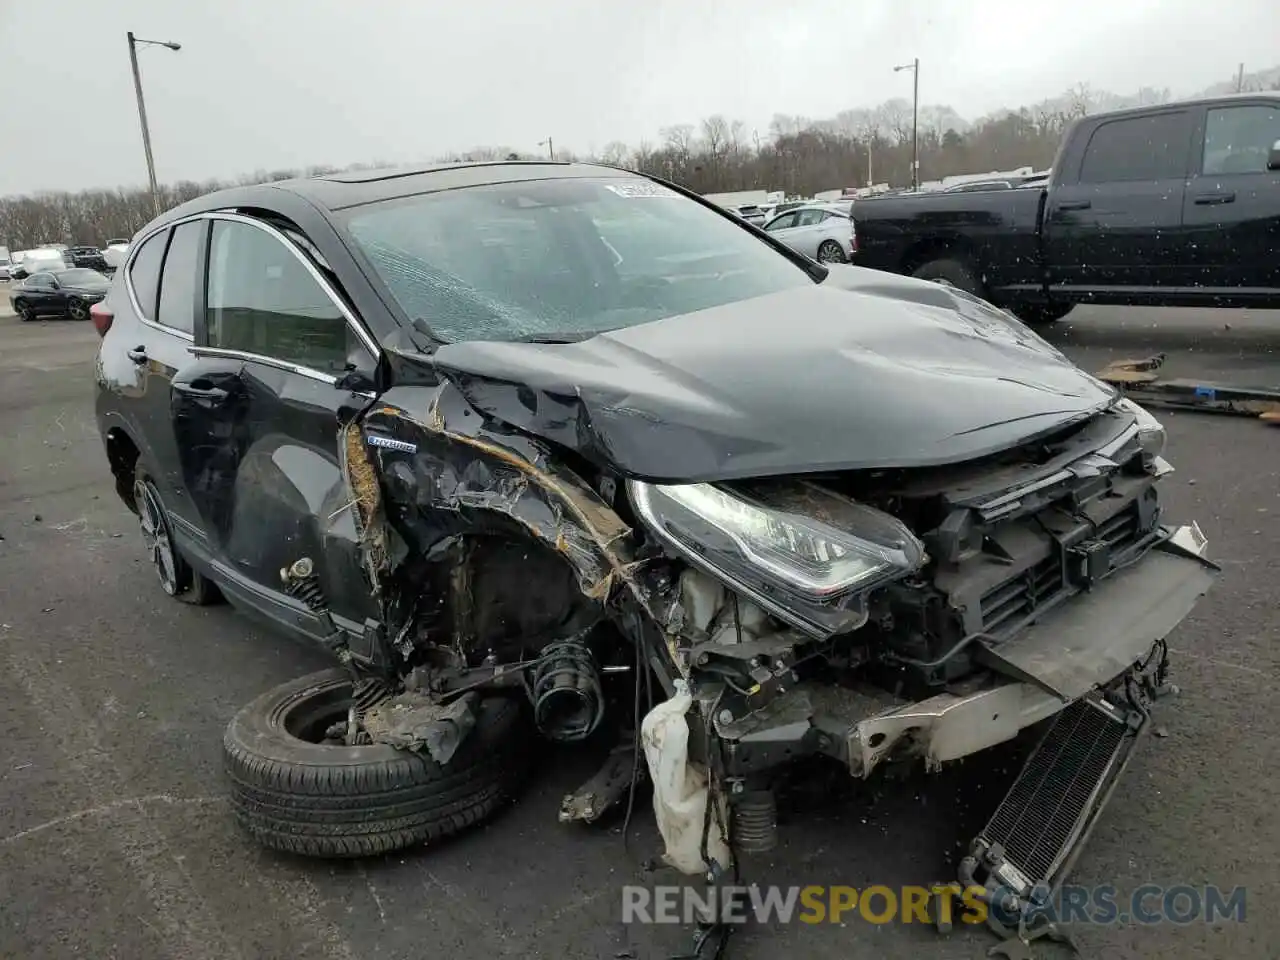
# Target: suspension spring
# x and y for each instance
(755, 821)
(568, 702)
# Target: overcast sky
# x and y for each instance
(287, 83)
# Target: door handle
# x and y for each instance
(1207, 199)
(212, 394)
(1075, 205)
(137, 354)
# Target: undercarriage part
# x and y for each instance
(415, 722)
(568, 702)
(605, 789)
(1028, 847)
(754, 821)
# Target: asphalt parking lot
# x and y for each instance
(115, 840)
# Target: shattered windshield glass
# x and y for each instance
(562, 259)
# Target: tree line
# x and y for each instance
(797, 154)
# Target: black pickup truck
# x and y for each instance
(1170, 205)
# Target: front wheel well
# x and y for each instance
(122, 454)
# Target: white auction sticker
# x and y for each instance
(632, 190)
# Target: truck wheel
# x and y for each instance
(1036, 314)
(292, 791)
(958, 273)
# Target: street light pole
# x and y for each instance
(142, 111)
(551, 148)
(914, 67)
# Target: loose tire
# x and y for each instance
(293, 793)
(958, 273)
(1038, 314)
(829, 252)
(176, 576)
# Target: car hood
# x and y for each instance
(865, 370)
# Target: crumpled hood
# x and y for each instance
(865, 370)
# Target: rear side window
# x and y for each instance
(1137, 148)
(144, 274)
(181, 273)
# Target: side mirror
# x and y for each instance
(1273, 161)
(355, 381)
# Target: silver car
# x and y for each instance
(817, 231)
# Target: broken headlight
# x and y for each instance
(1151, 433)
(806, 554)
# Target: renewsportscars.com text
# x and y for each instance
(1104, 904)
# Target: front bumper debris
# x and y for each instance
(1076, 647)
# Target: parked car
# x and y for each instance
(1169, 205)
(751, 213)
(87, 256)
(38, 260)
(533, 448)
(4, 269)
(817, 231)
(114, 253)
(58, 293)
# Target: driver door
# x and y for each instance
(257, 419)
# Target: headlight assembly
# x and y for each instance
(1151, 433)
(806, 554)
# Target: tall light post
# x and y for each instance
(914, 67)
(551, 147)
(142, 109)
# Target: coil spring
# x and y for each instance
(755, 821)
(568, 702)
(307, 589)
(302, 583)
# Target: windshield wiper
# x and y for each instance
(564, 336)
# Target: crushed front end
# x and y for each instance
(876, 616)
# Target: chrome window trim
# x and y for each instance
(361, 333)
(309, 373)
(127, 269)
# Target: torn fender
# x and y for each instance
(448, 471)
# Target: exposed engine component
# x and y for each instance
(568, 702)
(754, 821)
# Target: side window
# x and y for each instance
(40, 281)
(144, 274)
(783, 222)
(808, 218)
(181, 274)
(1138, 148)
(262, 300)
(1239, 139)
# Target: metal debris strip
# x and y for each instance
(414, 721)
(1140, 380)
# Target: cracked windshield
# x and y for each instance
(669, 481)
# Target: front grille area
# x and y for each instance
(1006, 607)
(1044, 811)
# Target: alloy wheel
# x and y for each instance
(156, 536)
(77, 310)
(830, 252)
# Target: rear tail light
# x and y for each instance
(853, 242)
(101, 315)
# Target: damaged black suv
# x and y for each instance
(557, 449)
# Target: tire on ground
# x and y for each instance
(958, 273)
(322, 800)
(1034, 314)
